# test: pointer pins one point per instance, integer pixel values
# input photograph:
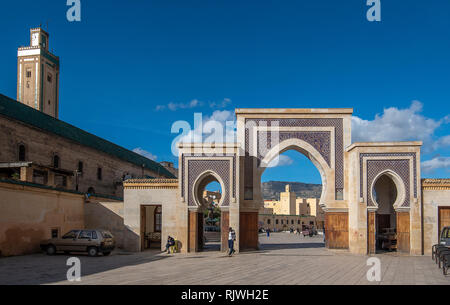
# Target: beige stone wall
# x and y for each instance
(285, 222)
(173, 223)
(42, 146)
(433, 198)
(28, 214)
(107, 215)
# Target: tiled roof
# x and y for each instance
(150, 184)
(25, 114)
(436, 184)
(46, 187)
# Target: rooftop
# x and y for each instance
(17, 111)
(294, 111)
(383, 144)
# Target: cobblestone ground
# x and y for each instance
(283, 259)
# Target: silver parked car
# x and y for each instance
(90, 241)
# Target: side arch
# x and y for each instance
(202, 181)
(399, 185)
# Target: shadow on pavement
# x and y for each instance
(291, 246)
(37, 269)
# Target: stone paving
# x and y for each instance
(283, 259)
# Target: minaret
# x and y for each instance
(38, 74)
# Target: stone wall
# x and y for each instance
(107, 215)
(434, 195)
(42, 146)
(163, 192)
(28, 214)
(285, 222)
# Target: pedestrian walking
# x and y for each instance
(231, 239)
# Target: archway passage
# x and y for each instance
(385, 195)
(212, 215)
(206, 231)
(290, 216)
(388, 224)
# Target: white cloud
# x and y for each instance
(222, 104)
(436, 163)
(193, 104)
(282, 160)
(218, 128)
(442, 142)
(145, 153)
(400, 125)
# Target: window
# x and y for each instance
(80, 167)
(55, 233)
(55, 161)
(22, 152)
(268, 221)
(298, 222)
(85, 235)
(158, 219)
(94, 235)
(276, 221)
(49, 102)
(49, 77)
(28, 73)
(282, 221)
(99, 173)
(292, 221)
(71, 235)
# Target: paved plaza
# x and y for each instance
(283, 259)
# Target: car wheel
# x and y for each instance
(51, 250)
(92, 251)
(106, 253)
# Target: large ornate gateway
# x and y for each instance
(371, 191)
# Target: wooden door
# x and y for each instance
(443, 219)
(248, 230)
(200, 231)
(403, 225)
(142, 230)
(371, 226)
(224, 226)
(336, 230)
(192, 236)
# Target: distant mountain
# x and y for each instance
(271, 190)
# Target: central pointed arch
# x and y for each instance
(326, 173)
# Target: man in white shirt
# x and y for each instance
(231, 239)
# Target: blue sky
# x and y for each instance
(130, 69)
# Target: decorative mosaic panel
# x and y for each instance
(318, 139)
(197, 165)
(361, 160)
(400, 167)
